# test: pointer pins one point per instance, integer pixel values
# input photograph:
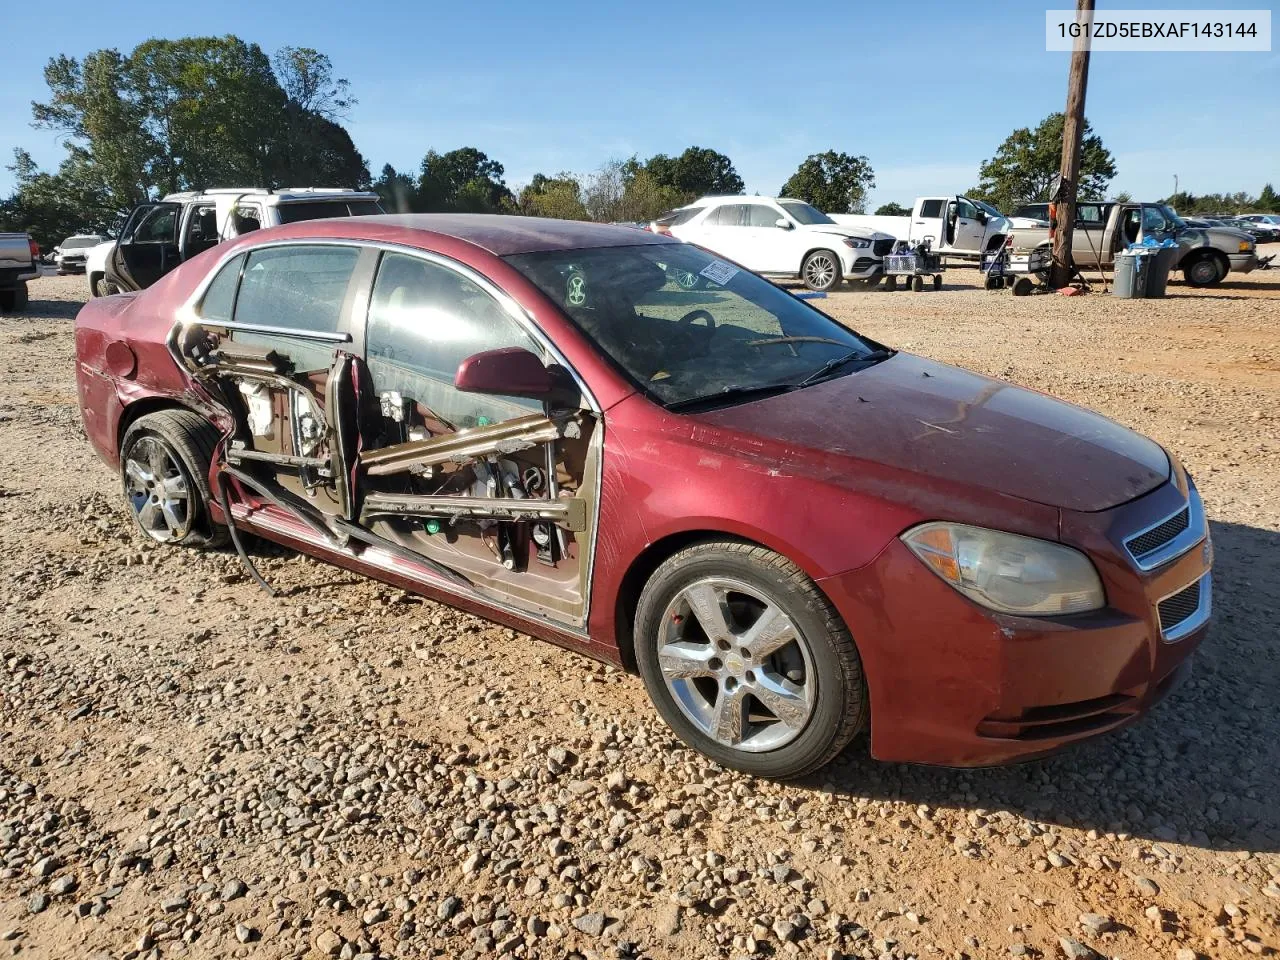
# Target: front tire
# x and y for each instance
(1204, 271)
(164, 472)
(747, 661)
(821, 271)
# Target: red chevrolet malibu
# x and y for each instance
(625, 445)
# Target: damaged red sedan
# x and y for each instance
(625, 445)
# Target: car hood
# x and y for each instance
(935, 420)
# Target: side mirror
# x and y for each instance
(782, 223)
(509, 372)
(981, 217)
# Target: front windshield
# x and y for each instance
(1174, 220)
(684, 325)
(801, 212)
(77, 243)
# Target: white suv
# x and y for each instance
(782, 238)
(159, 235)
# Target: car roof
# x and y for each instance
(714, 199)
(499, 234)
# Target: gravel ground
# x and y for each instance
(190, 768)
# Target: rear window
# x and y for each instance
(1037, 211)
(326, 209)
(931, 208)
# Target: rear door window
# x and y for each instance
(931, 208)
(299, 287)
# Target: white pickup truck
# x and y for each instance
(160, 235)
(956, 227)
(19, 259)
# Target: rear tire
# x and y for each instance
(96, 285)
(164, 473)
(821, 271)
(937, 281)
(14, 299)
(778, 702)
(917, 283)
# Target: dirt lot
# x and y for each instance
(191, 768)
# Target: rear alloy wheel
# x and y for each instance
(164, 469)
(821, 271)
(1203, 271)
(747, 661)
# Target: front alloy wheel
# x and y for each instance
(736, 665)
(747, 661)
(820, 270)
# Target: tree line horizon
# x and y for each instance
(201, 112)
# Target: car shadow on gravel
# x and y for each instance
(46, 310)
(1203, 768)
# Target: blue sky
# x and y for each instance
(926, 90)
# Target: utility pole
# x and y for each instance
(1072, 131)
(1175, 188)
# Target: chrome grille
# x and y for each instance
(881, 248)
(1169, 538)
(1148, 542)
(1175, 609)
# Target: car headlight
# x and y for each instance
(857, 243)
(1006, 572)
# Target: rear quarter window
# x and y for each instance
(326, 209)
(220, 298)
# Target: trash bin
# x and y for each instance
(1161, 263)
(1132, 268)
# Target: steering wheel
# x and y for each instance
(688, 319)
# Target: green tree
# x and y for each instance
(697, 171)
(199, 112)
(398, 191)
(1269, 200)
(893, 210)
(463, 180)
(1025, 165)
(833, 182)
(54, 206)
(559, 197)
(316, 150)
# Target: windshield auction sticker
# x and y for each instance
(1164, 31)
(717, 271)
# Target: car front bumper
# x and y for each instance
(1242, 262)
(952, 683)
(861, 265)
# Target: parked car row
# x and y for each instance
(546, 423)
(1104, 229)
(70, 255)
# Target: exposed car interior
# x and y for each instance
(493, 491)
